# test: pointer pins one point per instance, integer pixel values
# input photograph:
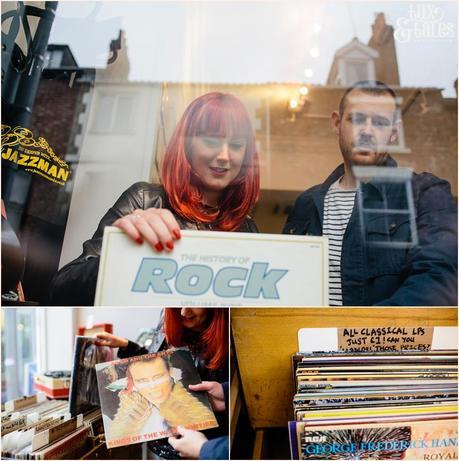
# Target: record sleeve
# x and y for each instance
(84, 396)
(146, 397)
(410, 441)
(379, 405)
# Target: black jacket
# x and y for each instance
(392, 275)
(75, 283)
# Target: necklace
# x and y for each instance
(208, 209)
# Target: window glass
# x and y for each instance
(119, 75)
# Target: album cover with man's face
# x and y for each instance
(146, 397)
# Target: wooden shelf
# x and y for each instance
(266, 338)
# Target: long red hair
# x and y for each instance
(212, 114)
(213, 340)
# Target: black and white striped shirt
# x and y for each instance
(338, 207)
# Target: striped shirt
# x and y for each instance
(338, 207)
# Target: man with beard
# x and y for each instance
(373, 257)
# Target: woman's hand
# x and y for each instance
(189, 444)
(214, 393)
(156, 226)
(107, 339)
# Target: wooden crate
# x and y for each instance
(266, 338)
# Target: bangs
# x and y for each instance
(213, 115)
(223, 116)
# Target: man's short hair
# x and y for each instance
(374, 87)
(165, 359)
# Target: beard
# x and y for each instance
(363, 153)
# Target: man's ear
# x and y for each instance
(335, 122)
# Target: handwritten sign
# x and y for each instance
(390, 338)
(48, 436)
(214, 269)
(13, 425)
(24, 402)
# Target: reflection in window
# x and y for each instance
(53, 59)
(137, 81)
(352, 63)
(384, 224)
(357, 71)
(113, 114)
(19, 352)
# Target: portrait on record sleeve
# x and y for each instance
(151, 397)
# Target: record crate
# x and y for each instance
(264, 340)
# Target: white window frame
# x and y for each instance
(115, 96)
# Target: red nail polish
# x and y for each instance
(139, 240)
(176, 233)
(159, 246)
(170, 245)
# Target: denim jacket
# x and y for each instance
(420, 275)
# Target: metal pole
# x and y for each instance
(30, 79)
(21, 76)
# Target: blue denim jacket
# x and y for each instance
(424, 274)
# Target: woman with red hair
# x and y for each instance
(209, 181)
(205, 332)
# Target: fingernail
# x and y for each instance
(159, 246)
(139, 240)
(170, 245)
(176, 233)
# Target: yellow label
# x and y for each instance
(35, 156)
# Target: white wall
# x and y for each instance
(117, 150)
(57, 328)
(127, 321)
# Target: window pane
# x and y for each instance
(19, 354)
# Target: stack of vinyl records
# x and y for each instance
(37, 428)
(376, 405)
